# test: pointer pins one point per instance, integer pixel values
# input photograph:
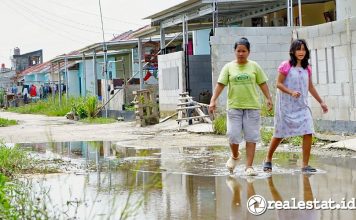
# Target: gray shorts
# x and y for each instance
(247, 121)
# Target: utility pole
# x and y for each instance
(105, 49)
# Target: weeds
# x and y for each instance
(219, 124)
(98, 120)
(49, 107)
(16, 201)
(6, 122)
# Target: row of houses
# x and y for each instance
(184, 47)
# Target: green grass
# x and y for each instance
(98, 120)
(16, 198)
(266, 135)
(12, 160)
(6, 122)
(49, 107)
(219, 124)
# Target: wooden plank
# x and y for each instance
(194, 117)
(168, 117)
(185, 103)
(201, 113)
(189, 107)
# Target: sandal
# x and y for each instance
(308, 169)
(267, 166)
(249, 171)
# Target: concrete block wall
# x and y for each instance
(269, 47)
(168, 97)
(333, 59)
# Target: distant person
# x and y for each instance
(292, 114)
(242, 76)
(25, 95)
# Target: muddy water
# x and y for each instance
(109, 182)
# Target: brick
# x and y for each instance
(322, 89)
(342, 114)
(313, 31)
(353, 23)
(325, 29)
(332, 101)
(341, 76)
(344, 102)
(336, 39)
(302, 33)
(278, 39)
(345, 89)
(334, 89)
(338, 26)
(353, 38)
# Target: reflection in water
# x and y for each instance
(295, 214)
(184, 183)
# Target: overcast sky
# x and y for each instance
(61, 26)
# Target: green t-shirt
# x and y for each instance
(242, 80)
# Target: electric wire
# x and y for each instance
(34, 13)
(28, 17)
(91, 13)
(64, 18)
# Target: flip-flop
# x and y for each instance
(308, 169)
(267, 166)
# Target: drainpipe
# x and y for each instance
(140, 62)
(300, 12)
(66, 75)
(84, 76)
(95, 74)
(59, 83)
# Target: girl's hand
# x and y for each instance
(324, 107)
(295, 94)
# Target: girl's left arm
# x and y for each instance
(315, 94)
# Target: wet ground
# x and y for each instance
(101, 180)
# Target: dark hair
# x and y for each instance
(296, 45)
(243, 41)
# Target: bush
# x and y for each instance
(5, 122)
(91, 106)
(12, 160)
(49, 107)
(266, 135)
(219, 124)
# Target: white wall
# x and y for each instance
(333, 56)
(171, 80)
(345, 9)
(269, 47)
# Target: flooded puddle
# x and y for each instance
(111, 182)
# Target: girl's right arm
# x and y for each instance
(283, 88)
(217, 91)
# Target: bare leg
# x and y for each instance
(234, 150)
(250, 153)
(308, 193)
(272, 148)
(307, 142)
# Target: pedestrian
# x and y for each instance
(292, 113)
(242, 76)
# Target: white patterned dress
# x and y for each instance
(292, 115)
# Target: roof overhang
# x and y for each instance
(199, 13)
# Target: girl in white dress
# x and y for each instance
(292, 113)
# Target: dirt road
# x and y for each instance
(39, 128)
